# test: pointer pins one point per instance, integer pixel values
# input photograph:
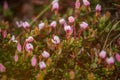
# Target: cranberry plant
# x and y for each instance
(81, 44)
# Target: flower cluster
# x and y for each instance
(64, 45)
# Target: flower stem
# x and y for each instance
(40, 14)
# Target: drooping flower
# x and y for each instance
(110, 60)
(30, 39)
(16, 57)
(5, 6)
(19, 24)
(53, 24)
(71, 19)
(2, 68)
(0, 30)
(13, 39)
(33, 61)
(25, 24)
(102, 54)
(77, 4)
(62, 21)
(45, 54)
(19, 47)
(41, 26)
(68, 29)
(42, 65)
(117, 56)
(28, 47)
(55, 5)
(55, 40)
(84, 25)
(86, 3)
(4, 33)
(98, 8)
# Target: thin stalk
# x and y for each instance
(113, 40)
(40, 14)
(108, 36)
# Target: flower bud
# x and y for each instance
(77, 4)
(45, 54)
(2, 68)
(16, 57)
(33, 61)
(19, 47)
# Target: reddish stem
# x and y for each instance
(74, 32)
(79, 33)
(59, 29)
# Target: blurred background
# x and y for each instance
(26, 9)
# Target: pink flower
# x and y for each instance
(13, 39)
(62, 21)
(71, 19)
(68, 29)
(102, 54)
(16, 57)
(42, 65)
(19, 47)
(53, 24)
(25, 24)
(84, 25)
(41, 26)
(55, 5)
(29, 47)
(86, 3)
(55, 40)
(45, 54)
(4, 33)
(117, 56)
(5, 6)
(110, 60)
(33, 61)
(77, 4)
(98, 8)
(30, 39)
(19, 24)
(0, 30)
(2, 68)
